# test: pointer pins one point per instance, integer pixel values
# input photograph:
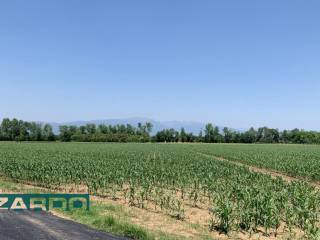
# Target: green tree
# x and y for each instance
(149, 127)
(209, 133)
(183, 135)
(47, 133)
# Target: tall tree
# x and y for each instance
(183, 135)
(208, 133)
(47, 133)
(149, 127)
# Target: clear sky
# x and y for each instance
(235, 63)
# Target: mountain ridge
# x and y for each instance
(189, 126)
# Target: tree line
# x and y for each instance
(106, 133)
(18, 130)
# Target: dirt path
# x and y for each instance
(270, 172)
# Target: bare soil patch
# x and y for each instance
(194, 226)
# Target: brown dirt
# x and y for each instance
(194, 226)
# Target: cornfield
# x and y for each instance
(171, 177)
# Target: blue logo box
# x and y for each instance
(45, 202)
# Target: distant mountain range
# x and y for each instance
(194, 127)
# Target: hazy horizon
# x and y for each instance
(180, 123)
(237, 63)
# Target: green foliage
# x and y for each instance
(18, 130)
(167, 135)
(106, 133)
(109, 223)
(294, 160)
(172, 175)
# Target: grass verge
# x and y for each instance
(103, 216)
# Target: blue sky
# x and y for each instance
(234, 63)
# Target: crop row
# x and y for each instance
(170, 177)
(295, 160)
